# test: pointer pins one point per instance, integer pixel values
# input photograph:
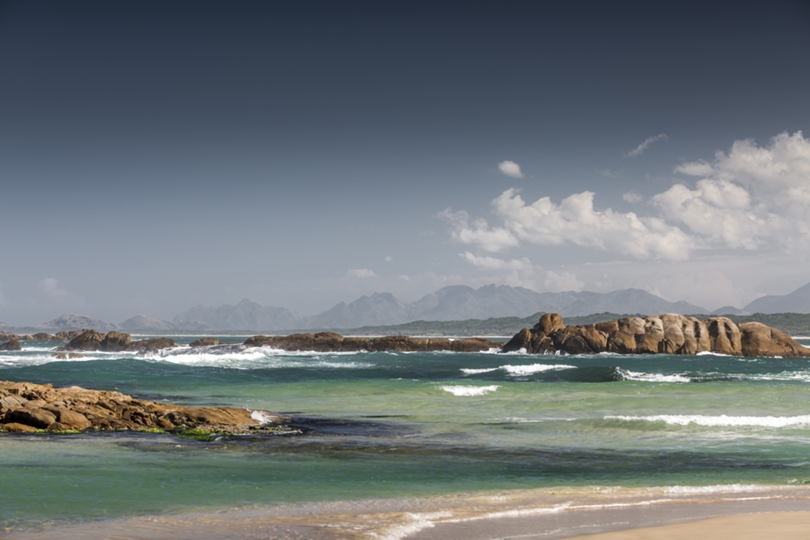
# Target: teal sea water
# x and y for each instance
(388, 425)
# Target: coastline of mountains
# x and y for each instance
(452, 303)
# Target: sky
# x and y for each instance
(155, 156)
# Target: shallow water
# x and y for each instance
(382, 425)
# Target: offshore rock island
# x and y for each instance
(656, 334)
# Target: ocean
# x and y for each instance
(392, 426)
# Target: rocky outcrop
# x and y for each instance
(10, 345)
(204, 342)
(27, 407)
(331, 342)
(90, 340)
(666, 334)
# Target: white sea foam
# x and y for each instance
(710, 353)
(721, 421)
(535, 368)
(459, 390)
(263, 417)
(651, 377)
(476, 371)
(520, 370)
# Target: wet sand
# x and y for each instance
(615, 513)
(765, 526)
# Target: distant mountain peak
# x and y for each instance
(797, 301)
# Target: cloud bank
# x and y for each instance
(749, 199)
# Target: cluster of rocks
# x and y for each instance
(668, 334)
(11, 342)
(28, 407)
(331, 342)
(90, 340)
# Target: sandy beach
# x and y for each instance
(761, 526)
(748, 512)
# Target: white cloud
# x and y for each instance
(564, 281)
(50, 291)
(510, 168)
(389, 258)
(638, 150)
(361, 273)
(493, 263)
(632, 197)
(753, 198)
(573, 221)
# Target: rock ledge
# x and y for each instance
(28, 407)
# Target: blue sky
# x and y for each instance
(155, 156)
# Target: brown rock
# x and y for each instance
(151, 345)
(472, 345)
(43, 336)
(87, 340)
(649, 342)
(72, 419)
(115, 341)
(580, 340)
(724, 336)
(10, 345)
(260, 341)
(521, 340)
(350, 344)
(14, 427)
(399, 343)
(37, 418)
(327, 342)
(758, 339)
(294, 342)
(204, 342)
(621, 342)
(549, 323)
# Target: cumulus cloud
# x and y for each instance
(638, 150)
(510, 168)
(361, 273)
(564, 281)
(389, 258)
(750, 198)
(50, 291)
(573, 221)
(632, 197)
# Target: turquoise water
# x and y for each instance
(409, 424)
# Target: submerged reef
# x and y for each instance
(666, 334)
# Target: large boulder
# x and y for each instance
(86, 340)
(521, 340)
(37, 418)
(549, 323)
(580, 340)
(724, 336)
(10, 345)
(115, 341)
(757, 339)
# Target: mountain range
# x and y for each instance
(456, 302)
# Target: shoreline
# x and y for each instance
(546, 513)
